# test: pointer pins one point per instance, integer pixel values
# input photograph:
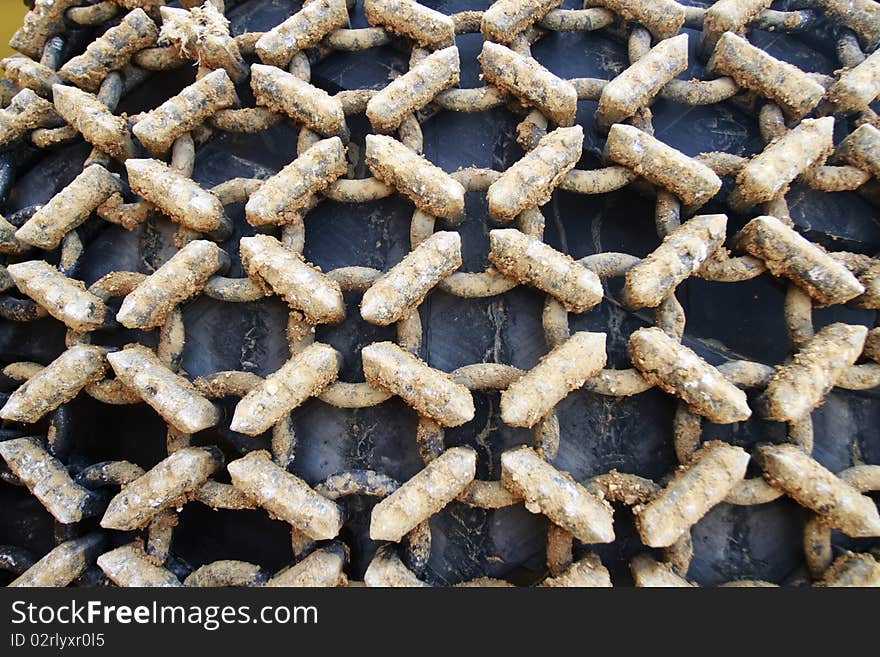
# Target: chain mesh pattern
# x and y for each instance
(139, 176)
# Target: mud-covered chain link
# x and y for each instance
(47, 102)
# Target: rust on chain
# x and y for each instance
(64, 563)
(861, 148)
(44, 21)
(25, 73)
(304, 29)
(525, 77)
(426, 27)
(681, 254)
(25, 113)
(161, 487)
(282, 198)
(177, 116)
(68, 208)
(529, 260)
(276, 268)
(183, 276)
(93, 120)
(284, 93)
(305, 375)
(587, 572)
(800, 386)
(424, 495)
(111, 51)
(414, 89)
(566, 368)
(402, 289)
(47, 479)
(430, 391)
(840, 504)
(555, 494)
(176, 195)
(285, 496)
(787, 253)
(768, 174)
(323, 567)
(693, 182)
(171, 395)
(754, 69)
(697, 487)
(728, 16)
(639, 83)
(531, 181)
(647, 572)
(66, 299)
(679, 371)
(850, 569)
(664, 18)
(57, 383)
(431, 189)
(505, 19)
(51, 98)
(130, 566)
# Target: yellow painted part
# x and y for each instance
(11, 16)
